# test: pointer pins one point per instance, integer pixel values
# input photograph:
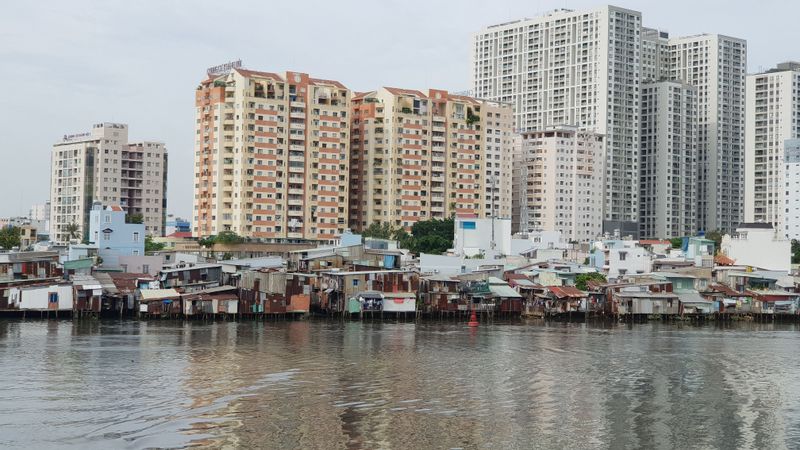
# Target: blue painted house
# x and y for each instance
(113, 236)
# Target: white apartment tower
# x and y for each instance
(100, 165)
(716, 65)
(669, 160)
(577, 68)
(773, 113)
(558, 174)
(791, 176)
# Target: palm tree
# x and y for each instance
(72, 230)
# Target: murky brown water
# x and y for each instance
(364, 386)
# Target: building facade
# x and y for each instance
(40, 212)
(791, 177)
(560, 182)
(97, 166)
(573, 68)
(773, 113)
(420, 156)
(716, 66)
(113, 236)
(271, 156)
(668, 177)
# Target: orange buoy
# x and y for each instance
(473, 320)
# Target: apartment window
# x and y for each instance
(136, 253)
(135, 236)
(107, 218)
(145, 268)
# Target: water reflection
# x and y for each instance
(356, 385)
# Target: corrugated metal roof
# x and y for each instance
(503, 290)
(159, 294)
(566, 291)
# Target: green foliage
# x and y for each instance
(9, 237)
(72, 230)
(715, 236)
(134, 218)
(795, 251)
(676, 242)
(431, 236)
(427, 236)
(225, 238)
(379, 230)
(582, 280)
(150, 246)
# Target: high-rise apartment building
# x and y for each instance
(101, 166)
(791, 177)
(716, 65)
(773, 117)
(271, 155)
(40, 212)
(558, 174)
(668, 160)
(418, 156)
(577, 68)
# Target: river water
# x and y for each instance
(318, 384)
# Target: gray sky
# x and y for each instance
(65, 65)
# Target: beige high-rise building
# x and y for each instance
(418, 156)
(271, 156)
(558, 174)
(101, 166)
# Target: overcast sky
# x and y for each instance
(65, 65)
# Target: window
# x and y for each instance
(145, 268)
(52, 297)
(107, 218)
(136, 253)
(135, 236)
(106, 235)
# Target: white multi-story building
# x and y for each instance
(40, 211)
(791, 177)
(716, 65)
(773, 113)
(101, 166)
(758, 245)
(573, 68)
(669, 160)
(560, 182)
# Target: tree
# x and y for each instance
(224, 237)
(150, 246)
(583, 279)
(676, 242)
(795, 251)
(715, 236)
(134, 218)
(9, 237)
(72, 230)
(379, 230)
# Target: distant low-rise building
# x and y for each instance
(758, 245)
(113, 236)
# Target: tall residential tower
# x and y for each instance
(271, 155)
(773, 113)
(579, 68)
(101, 166)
